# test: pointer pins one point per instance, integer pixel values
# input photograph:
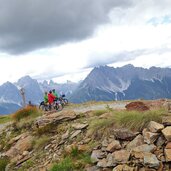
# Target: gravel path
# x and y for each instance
(114, 105)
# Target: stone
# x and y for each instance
(114, 145)
(124, 134)
(22, 145)
(25, 153)
(155, 127)
(137, 141)
(121, 156)
(150, 137)
(92, 168)
(137, 155)
(118, 168)
(110, 161)
(168, 146)
(123, 168)
(166, 120)
(48, 146)
(105, 143)
(102, 163)
(151, 160)
(75, 134)
(66, 135)
(79, 126)
(15, 139)
(167, 153)
(96, 155)
(160, 141)
(137, 105)
(55, 118)
(144, 148)
(83, 147)
(167, 133)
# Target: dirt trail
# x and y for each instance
(114, 105)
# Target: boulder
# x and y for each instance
(96, 155)
(155, 127)
(151, 160)
(123, 168)
(55, 118)
(121, 156)
(168, 145)
(139, 106)
(167, 133)
(160, 141)
(167, 153)
(144, 148)
(21, 145)
(102, 163)
(150, 137)
(124, 134)
(114, 145)
(137, 141)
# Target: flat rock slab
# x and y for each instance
(79, 126)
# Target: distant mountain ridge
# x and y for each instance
(10, 97)
(103, 83)
(123, 83)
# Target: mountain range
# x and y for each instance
(124, 83)
(102, 84)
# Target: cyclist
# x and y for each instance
(51, 98)
(55, 94)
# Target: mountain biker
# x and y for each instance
(46, 100)
(55, 94)
(51, 98)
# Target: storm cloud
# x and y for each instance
(30, 25)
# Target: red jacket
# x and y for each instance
(51, 98)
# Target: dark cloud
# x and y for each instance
(27, 25)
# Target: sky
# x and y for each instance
(65, 40)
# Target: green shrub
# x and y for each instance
(74, 152)
(65, 165)
(99, 112)
(3, 163)
(28, 111)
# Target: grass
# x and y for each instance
(65, 165)
(76, 160)
(5, 119)
(3, 163)
(27, 112)
(26, 165)
(41, 142)
(99, 112)
(135, 120)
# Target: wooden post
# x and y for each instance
(23, 96)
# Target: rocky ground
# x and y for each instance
(89, 139)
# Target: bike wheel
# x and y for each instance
(42, 107)
(66, 101)
(59, 107)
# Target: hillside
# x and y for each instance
(93, 136)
